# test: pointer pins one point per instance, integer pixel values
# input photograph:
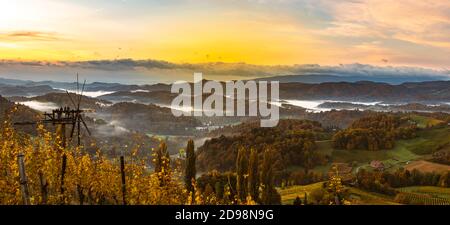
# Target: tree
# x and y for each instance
(269, 195)
(190, 171)
(335, 189)
(242, 173)
(292, 140)
(161, 161)
(444, 181)
(297, 201)
(374, 133)
(305, 200)
(253, 181)
(159, 156)
(218, 189)
(209, 196)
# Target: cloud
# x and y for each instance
(357, 69)
(152, 69)
(419, 22)
(30, 36)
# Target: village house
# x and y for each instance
(377, 165)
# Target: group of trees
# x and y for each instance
(248, 126)
(442, 157)
(301, 178)
(338, 118)
(252, 181)
(292, 141)
(21, 113)
(363, 139)
(385, 182)
(374, 133)
(219, 187)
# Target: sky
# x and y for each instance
(404, 32)
(261, 32)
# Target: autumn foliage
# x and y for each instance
(374, 133)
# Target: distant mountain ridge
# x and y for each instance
(317, 79)
(16, 87)
(424, 92)
(407, 92)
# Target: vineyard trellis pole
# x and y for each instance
(66, 116)
(63, 173)
(23, 180)
(122, 173)
(59, 118)
(44, 192)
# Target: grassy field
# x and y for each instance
(289, 194)
(356, 196)
(404, 152)
(423, 121)
(400, 152)
(361, 197)
(430, 140)
(392, 158)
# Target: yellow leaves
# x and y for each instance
(336, 189)
(94, 178)
(250, 201)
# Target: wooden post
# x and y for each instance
(80, 194)
(63, 135)
(23, 180)
(122, 173)
(78, 119)
(44, 191)
(63, 173)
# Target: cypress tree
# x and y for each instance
(253, 178)
(218, 188)
(190, 171)
(241, 172)
(267, 178)
(305, 200)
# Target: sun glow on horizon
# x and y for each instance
(254, 32)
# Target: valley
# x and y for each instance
(138, 117)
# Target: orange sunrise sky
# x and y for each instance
(263, 32)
